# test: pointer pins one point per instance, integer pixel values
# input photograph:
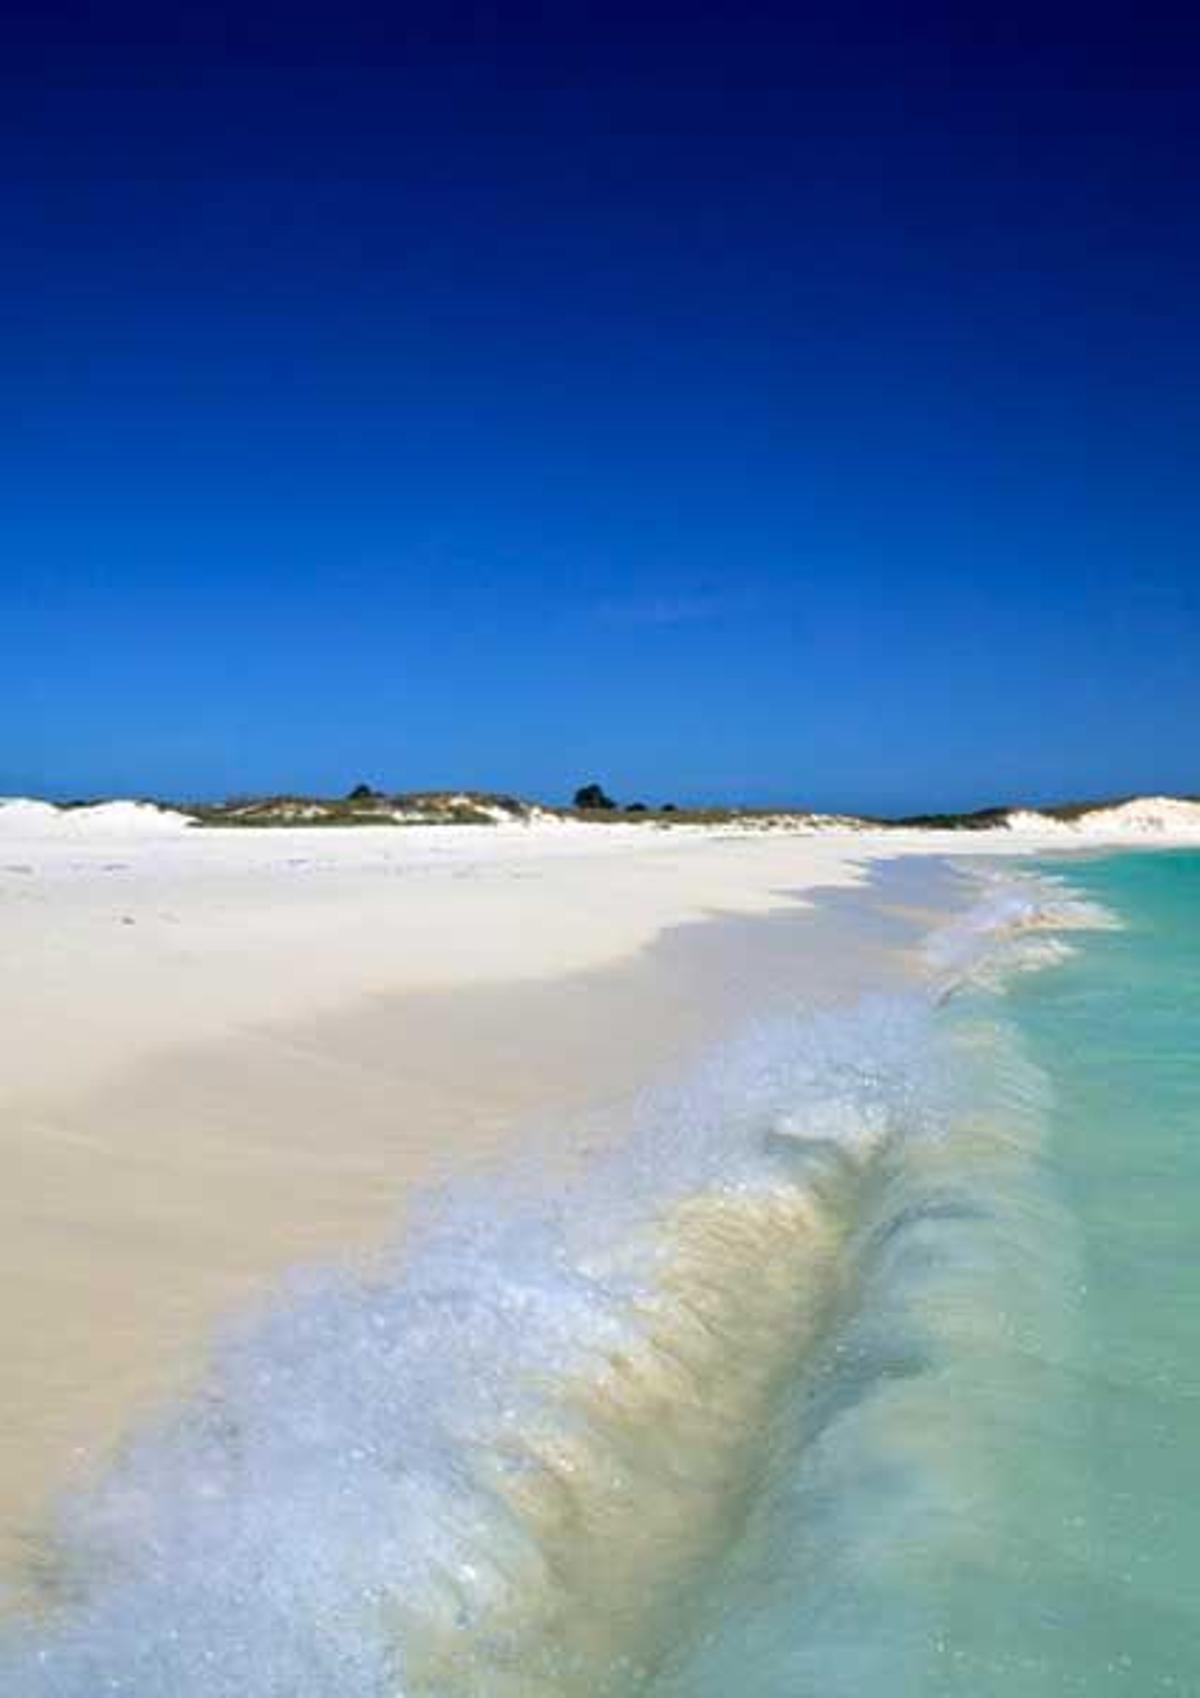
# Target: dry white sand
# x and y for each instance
(229, 1052)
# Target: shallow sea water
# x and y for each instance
(1116, 1029)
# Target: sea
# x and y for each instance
(868, 1364)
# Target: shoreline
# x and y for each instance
(272, 1115)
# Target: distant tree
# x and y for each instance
(668, 808)
(362, 793)
(593, 796)
(635, 807)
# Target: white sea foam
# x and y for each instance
(1021, 923)
(415, 1485)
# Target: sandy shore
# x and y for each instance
(231, 1053)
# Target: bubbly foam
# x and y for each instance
(1017, 926)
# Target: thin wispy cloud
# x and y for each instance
(669, 610)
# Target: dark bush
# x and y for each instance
(593, 796)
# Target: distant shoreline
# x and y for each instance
(1148, 815)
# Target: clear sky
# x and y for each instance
(723, 401)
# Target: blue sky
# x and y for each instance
(725, 407)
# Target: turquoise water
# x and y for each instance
(869, 1366)
(1117, 1031)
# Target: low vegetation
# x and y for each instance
(368, 807)
(592, 804)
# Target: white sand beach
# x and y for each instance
(231, 1053)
